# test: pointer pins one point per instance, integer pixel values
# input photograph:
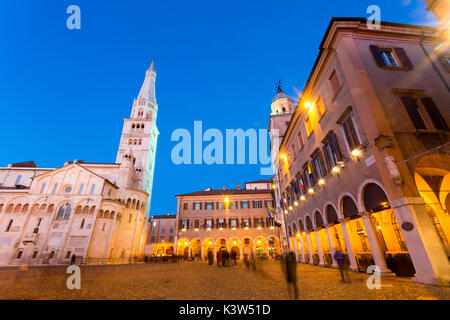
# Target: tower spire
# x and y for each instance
(147, 92)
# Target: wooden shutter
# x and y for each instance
(411, 107)
(377, 55)
(401, 54)
(336, 145)
(434, 113)
(327, 158)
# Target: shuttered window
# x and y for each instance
(435, 115)
(350, 133)
(391, 57)
(411, 107)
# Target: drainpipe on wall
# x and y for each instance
(431, 61)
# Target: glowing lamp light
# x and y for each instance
(309, 105)
(285, 211)
(186, 243)
(303, 198)
(273, 186)
(321, 182)
(356, 153)
(227, 200)
(179, 243)
(304, 233)
(184, 229)
(271, 227)
(379, 227)
(310, 191)
(233, 228)
(220, 229)
(259, 228)
(210, 242)
(283, 156)
(258, 242)
(290, 208)
(246, 228)
(336, 170)
(196, 229)
(296, 203)
(209, 229)
(298, 234)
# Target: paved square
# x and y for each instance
(198, 280)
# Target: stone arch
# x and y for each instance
(370, 193)
(289, 231)
(208, 245)
(92, 210)
(260, 245)
(85, 210)
(247, 246)
(196, 247)
(294, 228)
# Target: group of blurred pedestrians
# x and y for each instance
(289, 269)
(223, 258)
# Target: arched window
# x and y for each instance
(64, 212)
(68, 189)
(81, 189)
(92, 189)
(142, 126)
(135, 141)
(133, 126)
(43, 188)
(140, 141)
(54, 188)
(82, 223)
(130, 141)
(141, 112)
(18, 180)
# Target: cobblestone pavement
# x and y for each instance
(197, 280)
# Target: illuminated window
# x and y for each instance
(43, 188)
(18, 180)
(209, 206)
(81, 189)
(320, 108)
(92, 189)
(54, 188)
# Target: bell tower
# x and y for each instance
(140, 135)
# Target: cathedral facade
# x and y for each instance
(83, 212)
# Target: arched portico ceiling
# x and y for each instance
(309, 225)
(374, 198)
(301, 225)
(349, 208)
(318, 219)
(331, 214)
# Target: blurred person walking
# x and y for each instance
(291, 275)
(343, 267)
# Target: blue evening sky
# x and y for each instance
(64, 93)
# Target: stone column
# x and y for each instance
(333, 246)
(348, 245)
(296, 248)
(311, 260)
(319, 248)
(426, 250)
(189, 252)
(378, 255)
(241, 250)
